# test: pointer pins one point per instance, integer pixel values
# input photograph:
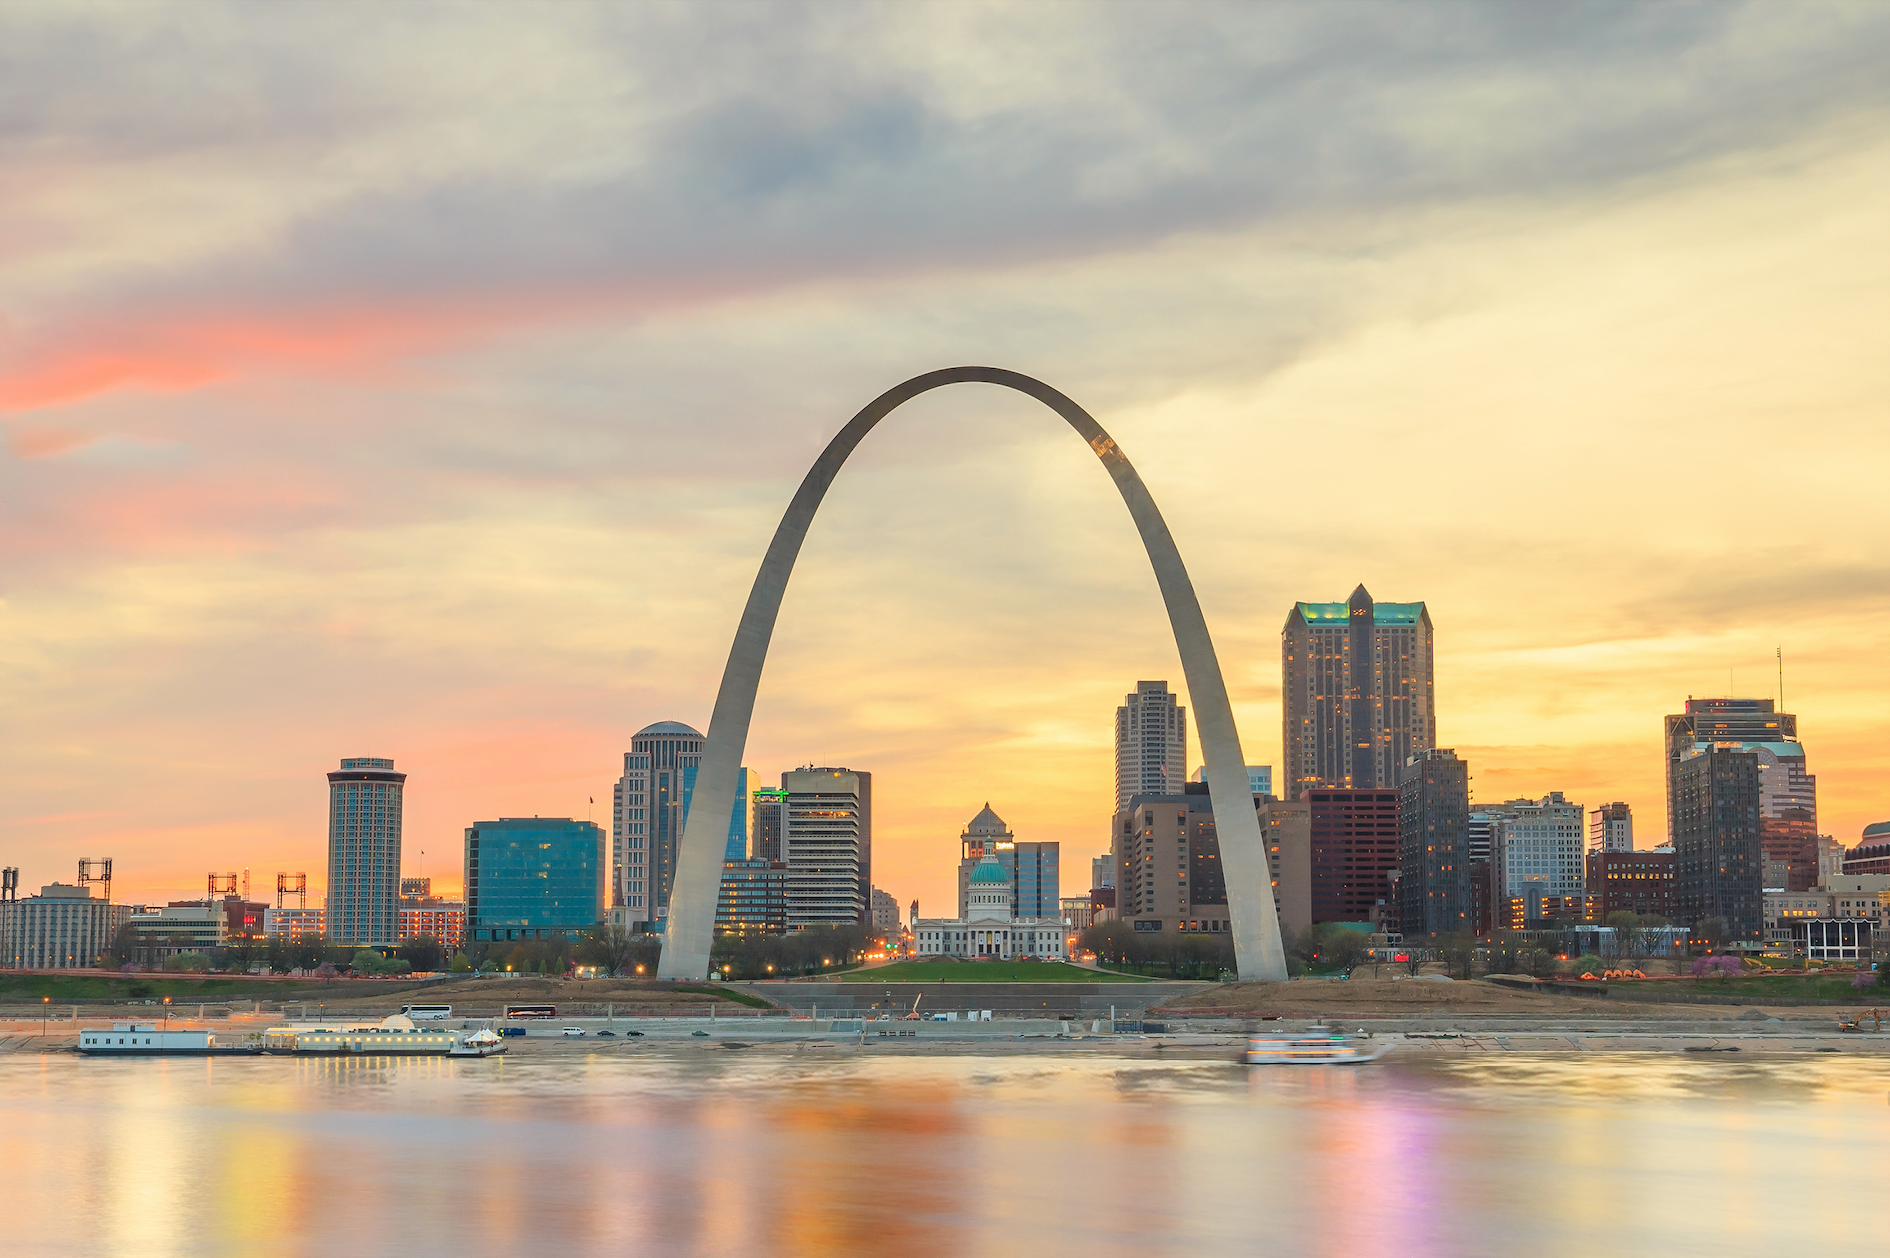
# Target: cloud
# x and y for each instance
(801, 145)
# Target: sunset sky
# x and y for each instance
(426, 381)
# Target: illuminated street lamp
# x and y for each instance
(45, 1011)
(167, 1013)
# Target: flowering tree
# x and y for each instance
(1708, 967)
(1863, 978)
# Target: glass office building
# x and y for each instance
(535, 878)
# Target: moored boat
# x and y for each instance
(1320, 1047)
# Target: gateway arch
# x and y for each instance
(691, 926)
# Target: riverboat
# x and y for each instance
(391, 1037)
(1312, 1048)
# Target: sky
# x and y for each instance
(426, 381)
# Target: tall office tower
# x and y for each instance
(1536, 854)
(1102, 871)
(1716, 820)
(1434, 860)
(1611, 828)
(648, 806)
(1168, 863)
(364, 806)
(770, 808)
(1355, 840)
(1034, 880)
(535, 878)
(827, 842)
(1788, 795)
(1151, 743)
(1359, 696)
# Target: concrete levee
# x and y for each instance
(1060, 1001)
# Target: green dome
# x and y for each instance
(988, 870)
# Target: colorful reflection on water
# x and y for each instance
(776, 1154)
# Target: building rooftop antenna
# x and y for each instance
(1780, 652)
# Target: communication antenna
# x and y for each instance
(101, 863)
(1780, 652)
(9, 884)
(297, 888)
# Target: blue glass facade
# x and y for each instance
(1034, 879)
(535, 878)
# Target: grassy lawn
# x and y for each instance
(723, 993)
(983, 972)
(179, 987)
(1794, 987)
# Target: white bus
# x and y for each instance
(428, 1013)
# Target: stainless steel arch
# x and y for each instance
(691, 927)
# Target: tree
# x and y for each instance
(423, 953)
(610, 949)
(1459, 952)
(308, 952)
(124, 948)
(460, 965)
(1714, 931)
(1630, 935)
(368, 961)
(189, 962)
(241, 952)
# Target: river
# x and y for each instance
(792, 1154)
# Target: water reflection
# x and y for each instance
(787, 1154)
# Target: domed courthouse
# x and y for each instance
(988, 929)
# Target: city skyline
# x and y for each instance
(294, 466)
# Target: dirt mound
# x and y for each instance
(1365, 995)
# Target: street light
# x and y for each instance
(45, 1011)
(167, 1013)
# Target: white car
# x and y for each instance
(574, 1030)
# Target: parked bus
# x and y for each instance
(531, 1011)
(428, 1013)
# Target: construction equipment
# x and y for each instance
(298, 889)
(101, 863)
(914, 1015)
(1857, 1024)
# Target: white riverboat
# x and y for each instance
(1321, 1047)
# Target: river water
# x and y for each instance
(793, 1154)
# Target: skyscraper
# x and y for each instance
(1536, 853)
(648, 806)
(1718, 856)
(770, 807)
(1151, 743)
(827, 842)
(1434, 858)
(1355, 841)
(1359, 698)
(364, 808)
(1788, 795)
(1611, 828)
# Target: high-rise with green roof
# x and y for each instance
(1360, 693)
